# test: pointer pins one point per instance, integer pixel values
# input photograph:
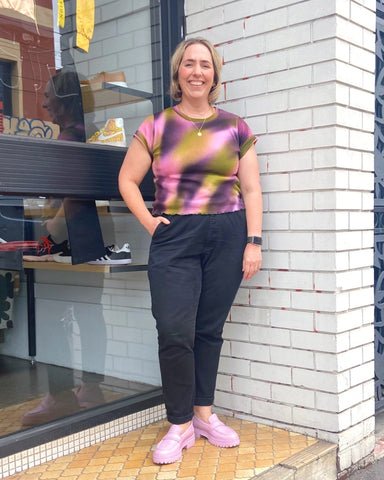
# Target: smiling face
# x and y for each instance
(196, 72)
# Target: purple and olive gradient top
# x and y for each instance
(196, 174)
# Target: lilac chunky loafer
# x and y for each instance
(216, 432)
(170, 448)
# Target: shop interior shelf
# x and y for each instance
(104, 95)
(85, 267)
(49, 212)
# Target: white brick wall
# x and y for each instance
(299, 340)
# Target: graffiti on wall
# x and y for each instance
(26, 127)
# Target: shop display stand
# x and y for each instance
(103, 95)
(84, 267)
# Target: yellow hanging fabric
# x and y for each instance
(60, 13)
(85, 22)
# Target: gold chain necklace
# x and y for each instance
(199, 132)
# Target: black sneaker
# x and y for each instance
(45, 249)
(114, 256)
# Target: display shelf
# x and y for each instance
(43, 213)
(84, 267)
(104, 95)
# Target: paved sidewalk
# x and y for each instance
(376, 470)
(373, 472)
(129, 456)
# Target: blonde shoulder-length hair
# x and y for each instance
(177, 57)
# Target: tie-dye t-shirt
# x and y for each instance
(195, 174)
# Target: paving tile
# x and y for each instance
(129, 456)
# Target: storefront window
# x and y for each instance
(77, 70)
(93, 341)
(76, 330)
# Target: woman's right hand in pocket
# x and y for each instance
(155, 224)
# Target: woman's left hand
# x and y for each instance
(251, 260)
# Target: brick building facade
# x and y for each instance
(299, 341)
(299, 347)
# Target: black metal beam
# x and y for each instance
(33, 167)
(172, 33)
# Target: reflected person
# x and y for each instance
(63, 102)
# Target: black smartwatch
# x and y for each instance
(255, 240)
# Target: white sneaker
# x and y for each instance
(112, 133)
(114, 256)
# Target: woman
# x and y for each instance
(206, 236)
(63, 101)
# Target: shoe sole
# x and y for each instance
(41, 258)
(190, 443)
(110, 262)
(61, 259)
(201, 433)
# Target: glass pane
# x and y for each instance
(91, 76)
(78, 71)
(95, 336)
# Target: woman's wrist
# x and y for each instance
(254, 240)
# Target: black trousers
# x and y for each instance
(195, 270)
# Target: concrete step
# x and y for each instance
(316, 462)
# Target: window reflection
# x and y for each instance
(105, 56)
(86, 76)
(63, 102)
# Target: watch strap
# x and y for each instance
(255, 240)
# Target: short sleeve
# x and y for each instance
(246, 137)
(145, 134)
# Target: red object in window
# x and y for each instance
(17, 245)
